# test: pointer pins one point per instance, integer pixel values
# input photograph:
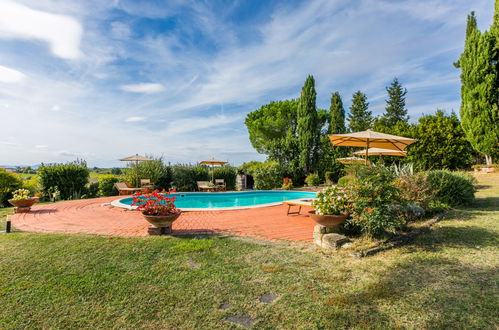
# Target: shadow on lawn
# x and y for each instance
(434, 291)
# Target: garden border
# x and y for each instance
(401, 239)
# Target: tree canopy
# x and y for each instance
(336, 115)
(359, 118)
(441, 143)
(479, 64)
(307, 126)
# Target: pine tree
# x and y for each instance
(336, 115)
(307, 128)
(395, 110)
(359, 118)
(480, 86)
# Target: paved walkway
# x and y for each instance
(89, 216)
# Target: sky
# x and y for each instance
(102, 80)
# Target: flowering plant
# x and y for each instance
(331, 201)
(155, 203)
(20, 194)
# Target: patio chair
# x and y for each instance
(145, 182)
(123, 188)
(204, 186)
(220, 184)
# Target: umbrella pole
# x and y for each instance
(367, 151)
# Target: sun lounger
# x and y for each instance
(123, 189)
(299, 203)
(204, 186)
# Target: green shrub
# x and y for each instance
(228, 173)
(373, 196)
(416, 189)
(106, 186)
(69, 179)
(345, 180)
(269, 176)
(9, 182)
(32, 184)
(91, 190)
(452, 188)
(165, 180)
(185, 177)
(153, 170)
(313, 180)
(329, 178)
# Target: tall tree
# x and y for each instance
(359, 118)
(479, 64)
(272, 131)
(336, 115)
(307, 126)
(395, 110)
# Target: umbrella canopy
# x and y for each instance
(350, 160)
(212, 162)
(135, 158)
(371, 139)
(368, 139)
(381, 152)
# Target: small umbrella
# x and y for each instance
(350, 160)
(381, 152)
(368, 139)
(213, 162)
(135, 158)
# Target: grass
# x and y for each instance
(445, 279)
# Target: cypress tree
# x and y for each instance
(307, 126)
(395, 110)
(480, 86)
(336, 115)
(359, 118)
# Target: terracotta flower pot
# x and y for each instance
(161, 221)
(330, 221)
(23, 205)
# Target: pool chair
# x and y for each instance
(146, 184)
(220, 184)
(204, 186)
(123, 189)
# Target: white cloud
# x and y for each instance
(9, 75)
(41, 146)
(146, 88)
(56, 108)
(134, 119)
(62, 32)
(120, 30)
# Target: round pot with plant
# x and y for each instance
(22, 201)
(331, 207)
(157, 208)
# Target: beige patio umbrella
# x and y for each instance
(213, 162)
(135, 158)
(350, 160)
(370, 139)
(381, 152)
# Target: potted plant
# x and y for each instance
(22, 201)
(331, 207)
(158, 209)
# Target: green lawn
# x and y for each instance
(446, 279)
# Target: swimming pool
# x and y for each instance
(226, 200)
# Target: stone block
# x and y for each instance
(333, 241)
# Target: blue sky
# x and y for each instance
(101, 80)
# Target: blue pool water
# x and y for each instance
(235, 199)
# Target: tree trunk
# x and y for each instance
(488, 160)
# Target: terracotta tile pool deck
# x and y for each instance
(90, 216)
